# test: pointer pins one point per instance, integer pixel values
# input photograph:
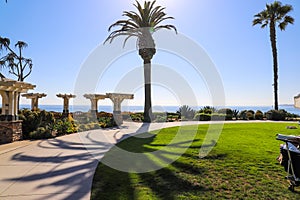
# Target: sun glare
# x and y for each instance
(171, 5)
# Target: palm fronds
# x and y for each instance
(140, 23)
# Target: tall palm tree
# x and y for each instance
(275, 13)
(142, 24)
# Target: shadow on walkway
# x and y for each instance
(60, 168)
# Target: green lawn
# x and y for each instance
(241, 166)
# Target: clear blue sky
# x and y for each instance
(61, 35)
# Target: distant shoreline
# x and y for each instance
(84, 108)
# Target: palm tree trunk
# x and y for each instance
(275, 62)
(147, 82)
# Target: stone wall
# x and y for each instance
(10, 131)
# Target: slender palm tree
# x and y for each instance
(274, 14)
(18, 65)
(15, 62)
(4, 42)
(142, 24)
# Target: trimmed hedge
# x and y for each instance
(202, 117)
(259, 115)
(209, 117)
(33, 120)
(227, 112)
(277, 115)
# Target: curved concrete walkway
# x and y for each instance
(62, 168)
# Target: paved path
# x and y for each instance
(61, 168)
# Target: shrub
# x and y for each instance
(292, 115)
(137, 117)
(158, 114)
(208, 110)
(65, 126)
(40, 133)
(104, 114)
(176, 117)
(106, 122)
(250, 114)
(277, 115)
(227, 112)
(259, 115)
(186, 112)
(62, 127)
(247, 115)
(161, 119)
(202, 117)
(83, 127)
(218, 117)
(32, 120)
(243, 115)
(94, 126)
(235, 114)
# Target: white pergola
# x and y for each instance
(10, 90)
(34, 99)
(66, 98)
(94, 98)
(117, 99)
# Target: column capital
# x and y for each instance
(66, 98)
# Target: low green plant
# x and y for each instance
(259, 115)
(219, 117)
(277, 115)
(83, 127)
(208, 110)
(32, 120)
(161, 119)
(105, 122)
(137, 117)
(227, 112)
(175, 117)
(40, 133)
(202, 117)
(247, 115)
(65, 126)
(235, 113)
(292, 115)
(186, 112)
(250, 114)
(95, 125)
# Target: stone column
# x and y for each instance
(66, 98)
(117, 99)
(94, 101)
(34, 99)
(9, 106)
(10, 131)
(5, 106)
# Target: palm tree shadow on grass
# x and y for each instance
(165, 183)
(111, 184)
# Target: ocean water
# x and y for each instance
(85, 108)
